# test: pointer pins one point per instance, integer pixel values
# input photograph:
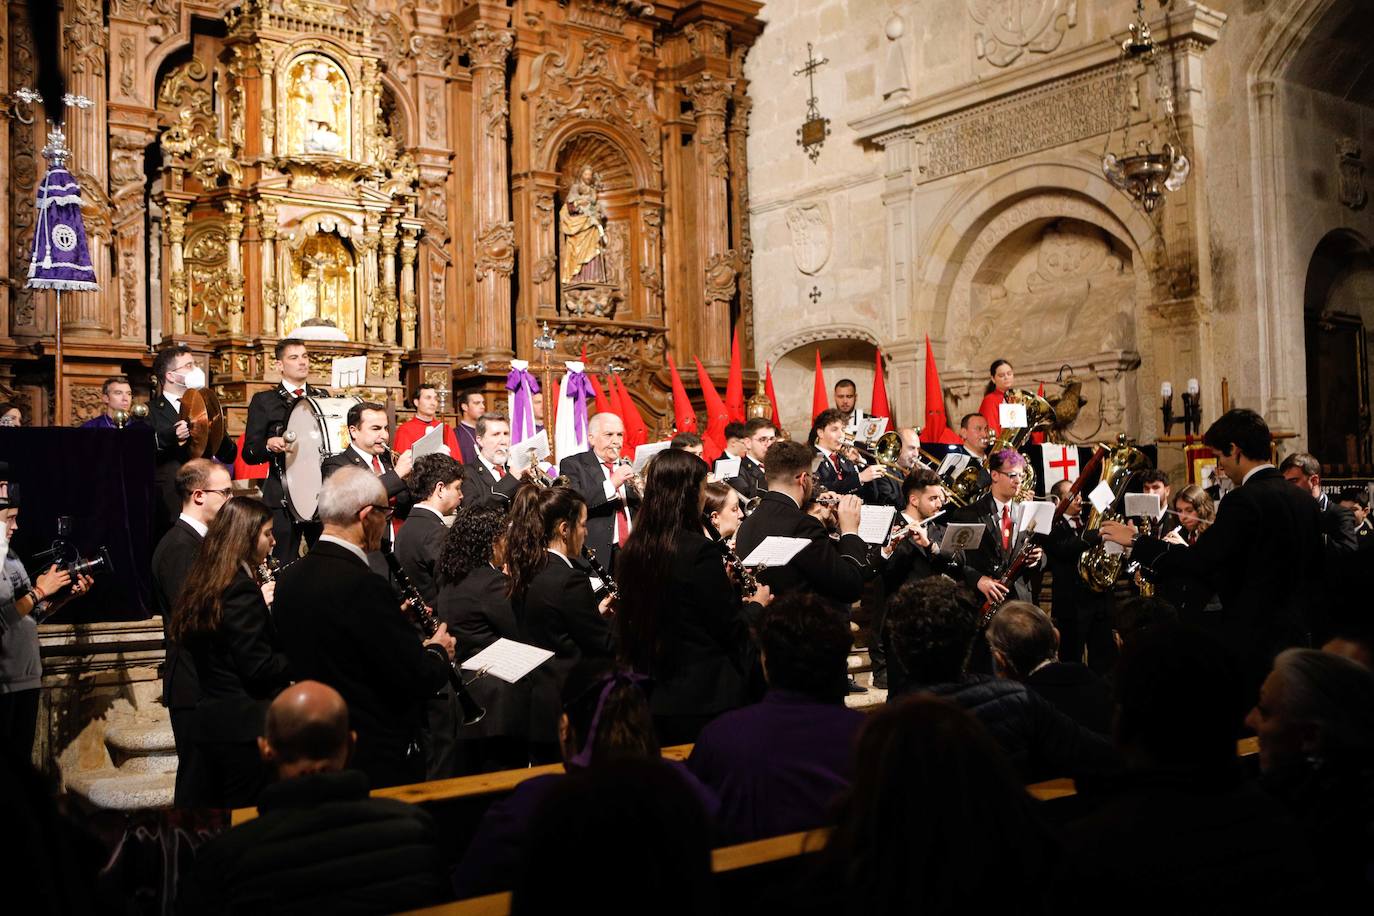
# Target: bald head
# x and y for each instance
(307, 731)
(606, 434)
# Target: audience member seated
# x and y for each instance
(627, 837)
(1025, 648)
(1353, 644)
(1184, 829)
(933, 624)
(779, 764)
(1136, 616)
(937, 822)
(319, 843)
(605, 720)
(1315, 722)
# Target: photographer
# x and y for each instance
(22, 605)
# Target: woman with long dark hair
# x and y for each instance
(551, 595)
(474, 600)
(1001, 380)
(679, 619)
(222, 619)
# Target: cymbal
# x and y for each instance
(201, 410)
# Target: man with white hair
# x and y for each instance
(606, 485)
(341, 624)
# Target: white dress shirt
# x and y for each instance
(348, 545)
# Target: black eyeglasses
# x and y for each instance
(386, 509)
(226, 492)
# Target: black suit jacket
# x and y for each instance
(483, 488)
(267, 415)
(845, 480)
(912, 563)
(833, 570)
(340, 623)
(705, 633)
(478, 612)
(418, 547)
(169, 456)
(171, 562)
(1261, 555)
(988, 558)
(587, 475)
(751, 481)
(558, 612)
(396, 491)
(240, 665)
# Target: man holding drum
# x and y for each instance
(263, 441)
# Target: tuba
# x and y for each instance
(1096, 567)
(964, 490)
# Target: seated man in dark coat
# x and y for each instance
(779, 764)
(932, 625)
(1025, 646)
(319, 843)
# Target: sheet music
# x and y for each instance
(1102, 496)
(872, 429)
(644, 452)
(520, 451)
(1144, 505)
(961, 536)
(430, 443)
(875, 523)
(953, 465)
(348, 372)
(1042, 513)
(1011, 416)
(727, 468)
(508, 660)
(776, 551)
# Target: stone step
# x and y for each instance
(859, 661)
(140, 738)
(120, 790)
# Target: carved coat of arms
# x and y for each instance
(811, 235)
(1009, 28)
(1351, 173)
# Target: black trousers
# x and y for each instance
(440, 737)
(229, 774)
(183, 733)
(289, 534)
(19, 720)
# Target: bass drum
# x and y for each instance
(320, 426)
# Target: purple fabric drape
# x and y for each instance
(60, 259)
(579, 389)
(522, 386)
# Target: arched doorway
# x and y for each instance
(1338, 308)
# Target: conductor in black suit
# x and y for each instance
(1001, 513)
(552, 597)
(369, 447)
(759, 435)
(340, 623)
(833, 570)
(204, 487)
(606, 486)
(487, 481)
(1263, 554)
(263, 441)
(175, 371)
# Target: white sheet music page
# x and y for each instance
(875, 522)
(432, 441)
(520, 451)
(727, 468)
(508, 660)
(1144, 505)
(776, 551)
(1039, 511)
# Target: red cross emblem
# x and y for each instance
(1064, 464)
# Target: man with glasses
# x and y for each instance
(204, 487)
(759, 434)
(1000, 512)
(175, 372)
(341, 624)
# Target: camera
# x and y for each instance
(64, 554)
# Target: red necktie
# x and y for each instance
(835, 461)
(622, 522)
(1006, 527)
(377, 465)
(500, 471)
(298, 392)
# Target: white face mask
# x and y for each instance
(193, 378)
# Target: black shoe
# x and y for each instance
(855, 688)
(880, 679)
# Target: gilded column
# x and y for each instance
(177, 293)
(710, 95)
(739, 187)
(410, 242)
(386, 292)
(488, 49)
(267, 213)
(233, 212)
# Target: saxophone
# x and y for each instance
(1096, 567)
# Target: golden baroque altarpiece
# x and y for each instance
(427, 181)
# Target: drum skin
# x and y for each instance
(320, 426)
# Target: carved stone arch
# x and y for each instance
(591, 147)
(820, 334)
(645, 177)
(360, 121)
(409, 117)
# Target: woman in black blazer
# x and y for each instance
(680, 619)
(474, 600)
(551, 594)
(222, 619)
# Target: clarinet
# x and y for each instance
(744, 579)
(600, 573)
(413, 603)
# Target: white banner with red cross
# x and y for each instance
(1057, 462)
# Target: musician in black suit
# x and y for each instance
(1083, 616)
(1156, 481)
(175, 371)
(832, 569)
(1339, 592)
(1262, 554)
(369, 448)
(222, 619)
(836, 472)
(340, 623)
(1000, 513)
(1356, 499)
(679, 619)
(486, 480)
(553, 600)
(606, 486)
(474, 600)
(204, 487)
(759, 435)
(262, 441)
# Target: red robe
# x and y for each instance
(411, 431)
